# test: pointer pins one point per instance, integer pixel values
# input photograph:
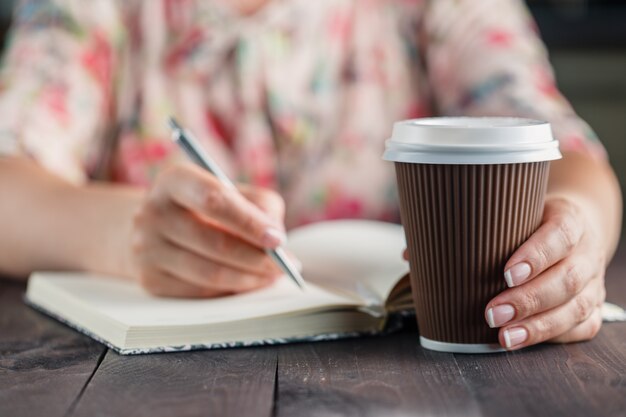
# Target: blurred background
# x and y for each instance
(587, 43)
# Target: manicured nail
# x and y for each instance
(517, 274)
(515, 336)
(499, 315)
(273, 238)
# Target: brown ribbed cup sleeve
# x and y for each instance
(462, 223)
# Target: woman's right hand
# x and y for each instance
(194, 237)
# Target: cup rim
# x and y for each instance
(469, 140)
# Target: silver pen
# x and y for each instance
(190, 145)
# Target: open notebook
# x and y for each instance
(355, 273)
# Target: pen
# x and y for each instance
(190, 145)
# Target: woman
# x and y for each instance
(294, 98)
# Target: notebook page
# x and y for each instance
(129, 304)
(358, 256)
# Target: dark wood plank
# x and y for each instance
(600, 369)
(540, 381)
(43, 364)
(233, 382)
(579, 379)
(373, 376)
(393, 375)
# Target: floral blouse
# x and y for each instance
(299, 96)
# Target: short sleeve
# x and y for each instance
(57, 82)
(485, 58)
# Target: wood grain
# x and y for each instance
(394, 376)
(390, 376)
(537, 381)
(579, 379)
(44, 368)
(233, 382)
(43, 364)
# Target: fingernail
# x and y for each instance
(517, 274)
(499, 315)
(515, 336)
(273, 238)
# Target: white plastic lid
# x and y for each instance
(471, 140)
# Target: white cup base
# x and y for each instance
(460, 347)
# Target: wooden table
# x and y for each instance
(49, 370)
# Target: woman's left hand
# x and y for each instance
(556, 280)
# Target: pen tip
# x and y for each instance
(173, 123)
(299, 281)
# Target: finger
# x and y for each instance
(558, 235)
(552, 288)
(405, 255)
(270, 202)
(203, 194)
(181, 227)
(163, 284)
(274, 206)
(205, 273)
(586, 330)
(551, 323)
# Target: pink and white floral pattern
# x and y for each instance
(298, 97)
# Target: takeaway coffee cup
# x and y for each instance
(471, 192)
